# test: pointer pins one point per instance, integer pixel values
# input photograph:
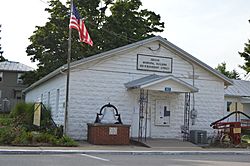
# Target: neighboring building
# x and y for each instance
(237, 98)
(11, 84)
(151, 81)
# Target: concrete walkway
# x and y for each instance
(171, 144)
(154, 147)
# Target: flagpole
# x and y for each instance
(67, 82)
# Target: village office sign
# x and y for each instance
(154, 63)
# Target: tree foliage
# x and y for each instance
(246, 55)
(2, 59)
(111, 24)
(230, 74)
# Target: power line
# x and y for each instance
(115, 34)
(44, 2)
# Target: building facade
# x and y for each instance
(158, 88)
(237, 98)
(11, 84)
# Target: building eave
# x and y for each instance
(60, 70)
(163, 41)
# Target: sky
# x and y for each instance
(213, 31)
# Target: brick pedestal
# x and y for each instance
(108, 134)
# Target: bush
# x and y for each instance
(5, 120)
(23, 138)
(23, 132)
(36, 138)
(7, 135)
(23, 113)
(66, 141)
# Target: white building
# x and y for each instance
(237, 98)
(180, 92)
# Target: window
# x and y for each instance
(1, 76)
(228, 106)
(19, 78)
(48, 102)
(57, 99)
(234, 106)
(42, 98)
(18, 94)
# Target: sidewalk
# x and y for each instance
(155, 147)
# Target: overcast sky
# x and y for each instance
(211, 30)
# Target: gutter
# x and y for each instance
(45, 78)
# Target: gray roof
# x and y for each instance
(164, 42)
(240, 88)
(144, 81)
(14, 66)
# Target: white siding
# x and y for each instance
(50, 87)
(209, 103)
(102, 81)
(91, 90)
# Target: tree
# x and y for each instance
(2, 59)
(126, 24)
(246, 56)
(1, 52)
(230, 74)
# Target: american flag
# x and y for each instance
(77, 23)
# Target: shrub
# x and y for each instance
(7, 135)
(23, 113)
(23, 132)
(44, 138)
(66, 141)
(5, 121)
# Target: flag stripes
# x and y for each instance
(77, 23)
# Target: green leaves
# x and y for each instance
(230, 74)
(246, 56)
(124, 24)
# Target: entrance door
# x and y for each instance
(162, 113)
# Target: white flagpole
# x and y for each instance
(67, 82)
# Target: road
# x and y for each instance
(124, 160)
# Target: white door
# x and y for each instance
(162, 113)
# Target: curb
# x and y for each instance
(115, 152)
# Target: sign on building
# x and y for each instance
(154, 63)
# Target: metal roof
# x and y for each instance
(163, 41)
(240, 88)
(141, 81)
(154, 79)
(14, 66)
